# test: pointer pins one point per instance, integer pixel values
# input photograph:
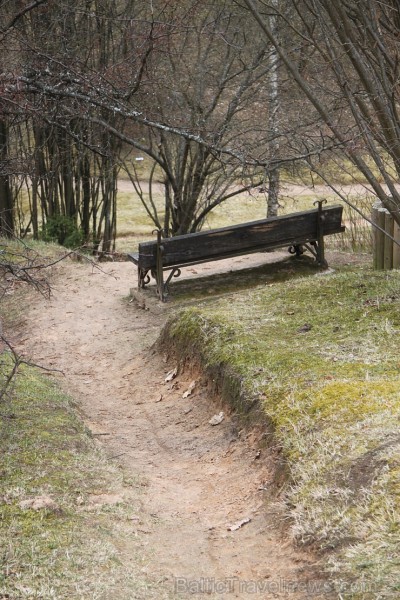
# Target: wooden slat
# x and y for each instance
(134, 257)
(297, 228)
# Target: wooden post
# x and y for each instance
(374, 219)
(388, 245)
(378, 217)
(396, 248)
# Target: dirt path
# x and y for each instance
(196, 479)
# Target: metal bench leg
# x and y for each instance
(159, 267)
(297, 250)
(143, 278)
(160, 285)
(320, 244)
(175, 272)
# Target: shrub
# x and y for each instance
(63, 230)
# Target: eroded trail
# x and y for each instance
(195, 479)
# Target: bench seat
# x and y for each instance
(297, 231)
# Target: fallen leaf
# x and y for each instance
(239, 524)
(171, 375)
(189, 390)
(217, 419)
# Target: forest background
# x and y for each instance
(220, 97)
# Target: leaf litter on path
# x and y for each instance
(217, 419)
(189, 390)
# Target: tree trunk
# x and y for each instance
(273, 127)
(85, 178)
(6, 200)
(273, 193)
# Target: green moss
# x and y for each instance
(62, 551)
(319, 355)
(348, 400)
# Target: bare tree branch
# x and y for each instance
(21, 13)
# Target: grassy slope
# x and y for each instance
(331, 390)
(66, 551)
(73, 549)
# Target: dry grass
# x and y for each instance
(64, 551)
(69, 549)
(299, 191)
(331, 391)
(134, 225)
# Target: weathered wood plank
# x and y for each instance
(388, 242)
(378, 217)
(396, 247)
(295, 229)
(134, 257)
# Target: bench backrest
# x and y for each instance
(294, 229)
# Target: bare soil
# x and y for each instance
(194, 480)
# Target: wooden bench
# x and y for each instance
(299, 231)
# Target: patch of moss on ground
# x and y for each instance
(67, 550)
(320, 355)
